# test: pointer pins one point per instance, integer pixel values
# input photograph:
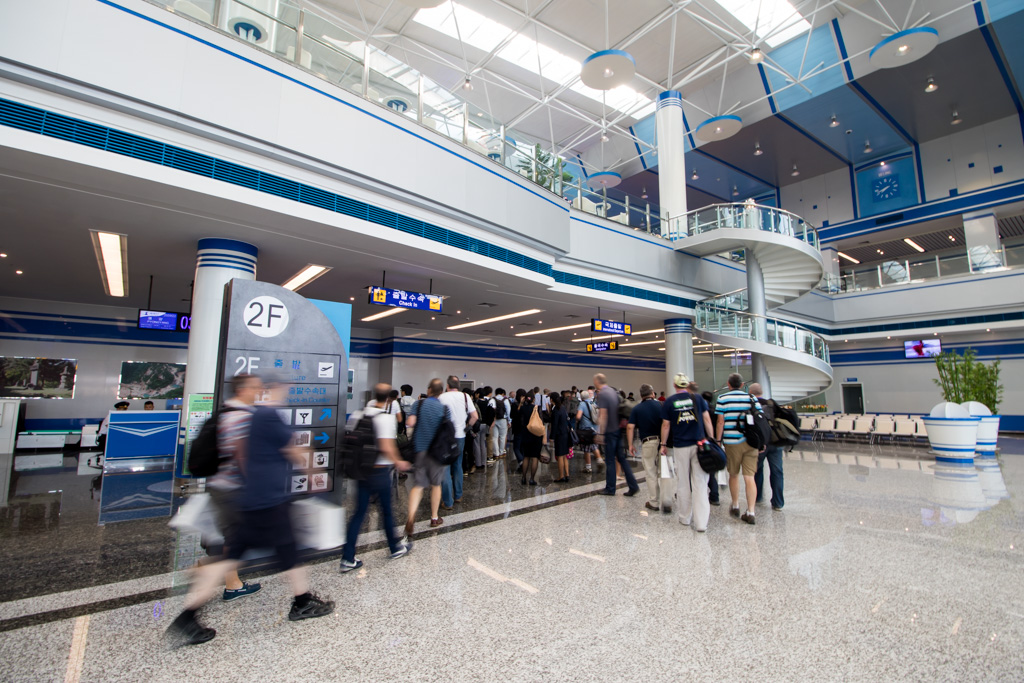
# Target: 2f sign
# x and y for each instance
(265, 316)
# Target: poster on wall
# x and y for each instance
(141, 379)
(37, 377)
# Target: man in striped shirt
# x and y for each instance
(731, 410)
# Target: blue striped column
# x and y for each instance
(678, 350)
(671, 161)
(217, 262)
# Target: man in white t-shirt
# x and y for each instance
(501, 408)
(463, 414)
(377, 484)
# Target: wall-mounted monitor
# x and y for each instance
(922, 348)
(163, 320)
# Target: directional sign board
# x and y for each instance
(597, 347)
(402, 299)
(610, 327)
(273, 332)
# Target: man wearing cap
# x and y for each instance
(685, 423)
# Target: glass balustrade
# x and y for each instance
(923, 268)
(319, 45)
(743, 325)
(746, 216)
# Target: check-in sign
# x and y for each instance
(597, 347)
(383, 296)
(610, 326)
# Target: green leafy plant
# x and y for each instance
(549, 167)
(965, 378)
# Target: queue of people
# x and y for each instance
(446, 436)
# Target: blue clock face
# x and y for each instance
(886, 188)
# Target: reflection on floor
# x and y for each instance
(881, 567)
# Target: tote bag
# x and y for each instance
(536, 425)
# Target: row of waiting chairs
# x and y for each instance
(869, 427)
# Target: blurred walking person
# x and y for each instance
(425, 419)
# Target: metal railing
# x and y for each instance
(745, 216)
(923, 269)
(328, 51)
(743, 325)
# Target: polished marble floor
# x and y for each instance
(881, 567)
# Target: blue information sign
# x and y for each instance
(610, 326)
(597, 347)
(161, 320)
(396, 297)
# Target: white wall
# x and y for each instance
(821, 198)
(99, 357)
(947, 160)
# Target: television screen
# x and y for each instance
(158, 320)
(922, 348)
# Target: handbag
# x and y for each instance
(198, 515)
(318, 524)
(711, 457)
(545, 453)
(535, 426)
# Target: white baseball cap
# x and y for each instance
(681, 380)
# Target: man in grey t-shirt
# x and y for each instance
(608, 434)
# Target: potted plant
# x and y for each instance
(971, 391)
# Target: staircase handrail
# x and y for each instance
(818, 346)
(743, 216)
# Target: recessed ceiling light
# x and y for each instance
(757, 149)
(694, 176)
(956, 120)
(608, 73)
(433, 318)
(833, 122)
(458, 312)
(931, 87)
(383, 314)
(903, 49)
(18, 272)
(795, 171)
(351, 298)
(611, 336)
(479, 113)
(646, 343)
(3, 255)
(914, 244)
(499, 318)
(848, 258)
(304, 277)
(112, 256)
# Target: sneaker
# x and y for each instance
(735, 512)
(188, 632)
(246, 589)
(402, 551)
(347, 566)
(748, 518)
(313, 609)
(407, 542)
(490, 461)
(588, 469)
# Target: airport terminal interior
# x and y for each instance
(624, 216)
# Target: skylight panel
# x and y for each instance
(775, 17)
(485, 34)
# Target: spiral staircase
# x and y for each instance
(786, 248)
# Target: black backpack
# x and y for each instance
(359, 452)
(785, 426)
(444, 447)
(754, 426)
(499, 408)
(204, 453)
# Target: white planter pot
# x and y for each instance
(988, 435)
(958, 494)
(953, 439)
(991, 478)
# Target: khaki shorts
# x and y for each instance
(429, 472)
(739, 455)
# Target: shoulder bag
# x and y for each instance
(536, 425)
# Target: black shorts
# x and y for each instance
(267, 528)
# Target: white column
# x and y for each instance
(678, 350)
(217, 262)
(758, 307)
(671, 161)
(983, 246)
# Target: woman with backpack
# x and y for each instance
(586, 419)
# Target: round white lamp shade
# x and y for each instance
(596, 181)
(903, 47)
(718, 128)
(608, 69)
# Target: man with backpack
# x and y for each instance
(500, 407)
(736, 409)
(426, 418)
(772, 453)
(463, 415)
(371, 452)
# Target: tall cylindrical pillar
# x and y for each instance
(217, 262)
(672, 161)
(758, 307)
(678, 350)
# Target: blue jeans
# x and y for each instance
(379, 484)
(613, 453)
(453, 478)
(774, 457)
